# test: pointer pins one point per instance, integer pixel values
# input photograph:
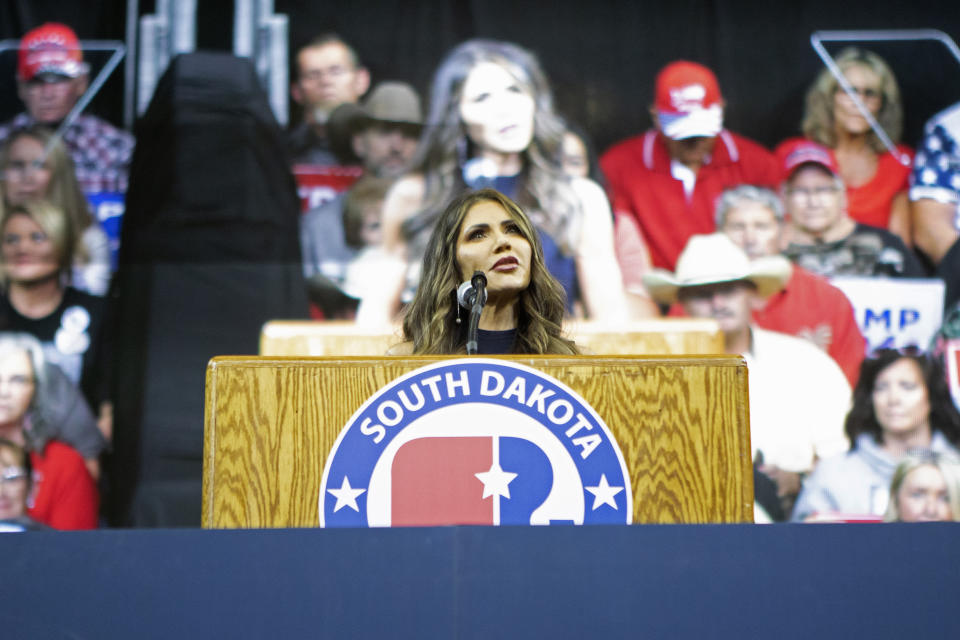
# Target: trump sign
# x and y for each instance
(894, 312)
(475, 441)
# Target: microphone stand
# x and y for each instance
(479, 282)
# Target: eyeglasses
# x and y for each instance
(910, 350)
(802, 193)
(867, 94)
(11, 475)
(317, 75)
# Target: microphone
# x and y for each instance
(473, 295)
(467, 292)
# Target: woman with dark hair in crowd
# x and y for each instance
(901, 403)
(35, 255)
(36, 165)
(486, 231)
(925, 488)
(64, 494)
(492, 123)
(876, 181)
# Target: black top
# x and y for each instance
(306, 147)
(73, 338)
(491, 342)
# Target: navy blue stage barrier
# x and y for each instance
(744, 581)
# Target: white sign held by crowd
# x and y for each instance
(893, 313)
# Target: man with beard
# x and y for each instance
(382, 135)
(798, 395)
(808, 306)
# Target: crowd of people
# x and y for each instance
(685, 219)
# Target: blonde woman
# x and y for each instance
(875, 179)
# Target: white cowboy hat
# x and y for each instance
(714, 258)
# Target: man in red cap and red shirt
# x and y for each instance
(51, 78)
(664, 182)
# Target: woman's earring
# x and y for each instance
(458, 312)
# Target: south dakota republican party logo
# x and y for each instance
(475, 441)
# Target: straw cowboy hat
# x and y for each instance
(714, 258)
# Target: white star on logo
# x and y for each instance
(346, 496)
(603, 493)
(496, 481)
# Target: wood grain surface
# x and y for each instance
(675, 336)
(681, 423)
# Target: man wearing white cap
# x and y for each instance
(663, 183)
(798, 395)
(808, 306)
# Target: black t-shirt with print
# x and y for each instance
(73, 338)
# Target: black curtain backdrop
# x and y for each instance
(600, 56)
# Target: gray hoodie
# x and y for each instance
(856, 482)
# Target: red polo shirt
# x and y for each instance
(809, 307)
(641, 185)
(812, 308)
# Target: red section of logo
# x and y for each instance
(434, 482)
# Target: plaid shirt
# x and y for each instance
(100, 151)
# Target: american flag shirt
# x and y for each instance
(936, 167)
(100, 151)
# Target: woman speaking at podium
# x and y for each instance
(485, 231)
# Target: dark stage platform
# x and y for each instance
(711, 581)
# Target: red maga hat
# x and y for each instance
(688, 101)
(50, 48)
(799, 152)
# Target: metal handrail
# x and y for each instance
(817, 38)
(118, 49)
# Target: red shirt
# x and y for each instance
(64, 495)
(810, 307)
(641, 185)
(870, 203)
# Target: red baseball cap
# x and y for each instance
(50, 48)
(688, 101)
(799, 152)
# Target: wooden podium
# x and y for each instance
(672, 336)
(681, 422)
